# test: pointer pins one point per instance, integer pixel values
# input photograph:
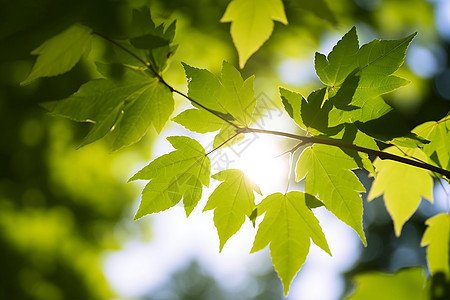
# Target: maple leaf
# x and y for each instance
(229, 97)
(327, 173)
(141, 97)
(288, 226)
(375, 63)
(252, 23)
(232, 200)
(179, 174)
(401, 185)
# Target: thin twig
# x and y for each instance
(223, 143)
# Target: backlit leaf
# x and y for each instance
(199, 120)
(401, 185)
(327, 173)
(438, 133)
(437, 238)
(252, 24)
(228, 96)
(143, 99)
(288, 226)
(374, 63)
(341, 61)
(179, 174)
(232, 201)
(154, 105)
(60, 53)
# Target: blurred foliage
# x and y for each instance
(405, 284)
(61, 208)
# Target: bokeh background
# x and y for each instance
(66, 229)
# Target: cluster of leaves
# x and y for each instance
(132, 94)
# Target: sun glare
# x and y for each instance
(263, 163)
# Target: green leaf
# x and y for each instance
(154, 105)
(405, 284)
(293, 103)
(238, 97)
(437, 238)
(199, 120)
(252, 24)
(375, 63)
(228, 96)
(352, 135)
(232, 200)
(438, 133)
(60, 53)
(341, 61)
(288, 226)
(312, 114)
(402, 185)
(328, 174)
(179, 174)
(142, 98)
(142, 22)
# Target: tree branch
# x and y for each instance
(340, 144)
(304, 139)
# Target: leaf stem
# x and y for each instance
(223, 143)
(340, 144)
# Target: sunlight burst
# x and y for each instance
(262, 163)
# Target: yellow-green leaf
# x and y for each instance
(437, 238)
(402, 185)
(60, 53)
(327, 173)
(252, 24)
(232, 200)
(288, 226)
(438, 133)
